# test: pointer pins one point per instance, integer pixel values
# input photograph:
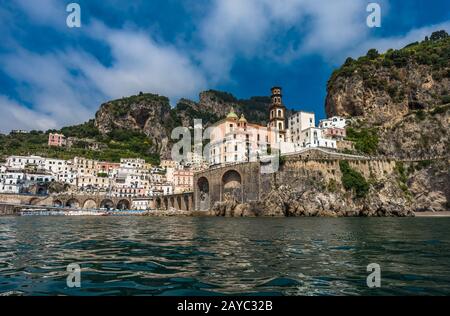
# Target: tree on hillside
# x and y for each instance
(438, 35)
(373, 53)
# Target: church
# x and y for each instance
(234, 139)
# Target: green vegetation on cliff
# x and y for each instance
(352, 180)
(433, 51)
(118, 144)
(365, 140)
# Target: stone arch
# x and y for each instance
(107, 203)
(178, 204)
(73, 203)
(186, 202)
(172, 202)
(123, 205)
(34, 201)
(158, 203)
(90, 204)
(231, 185)
(203, 197)
(166, 203)
(58, 203)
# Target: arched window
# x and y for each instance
(279, 113)
(280, 126)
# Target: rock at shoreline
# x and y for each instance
(286, 202)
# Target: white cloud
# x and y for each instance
(397, 42)
(66, 84)
(50, 12)
(16, 116)
(46, 82)
(257, 28)
(140, 64)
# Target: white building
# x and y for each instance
(12, 181)
(23, 162)
(141, 204)
(313, 137)
(54, 165)
(132, 166)
(67, 176)
(299, 122)
(19, 181)
(335, 121)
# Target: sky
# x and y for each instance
(52, 75)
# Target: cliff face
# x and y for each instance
(310, 189)
(404, 96)
(152, 115)
(147, 113)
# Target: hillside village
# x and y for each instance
(234, 140)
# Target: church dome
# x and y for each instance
(232, 115)
(243, 119)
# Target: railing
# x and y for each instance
(359, 157)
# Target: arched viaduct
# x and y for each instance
(91, 202)
(181, 201)
(241, 181)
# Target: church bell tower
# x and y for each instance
(277, 112)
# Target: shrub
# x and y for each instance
(438, 35)
(372, 54)
(445, 99)
(366, 140)
(400, 168)
(423, 164)
(420, 115)
(353, 180)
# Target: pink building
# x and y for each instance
(334, 132)
(56, 140)
(108, 167)
(183, 180)
(233, 139)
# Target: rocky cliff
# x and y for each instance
(402, 96)
(152, 114)
(366, 189)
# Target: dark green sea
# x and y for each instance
(215, 256)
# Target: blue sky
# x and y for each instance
(52, 75)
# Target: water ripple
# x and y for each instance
(218, 256)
